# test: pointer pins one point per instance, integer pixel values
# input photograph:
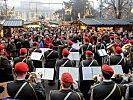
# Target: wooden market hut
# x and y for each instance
(103, 24)
(11, 26)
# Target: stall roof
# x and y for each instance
(53, 22)
(28, 22)
(13, 22)
(90, 21)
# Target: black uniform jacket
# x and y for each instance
(82, 50)
(85, 47)
(102, 90)
(50, 58)
(129, 95)
(61, 94)
(29, 62)
(116, 60)
(5, 70)
(27, 93)
(86, 84)
(129, 89)
(99, 46)
(61, 63)
(87, 63)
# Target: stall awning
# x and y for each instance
(13, 23)
(28, 22)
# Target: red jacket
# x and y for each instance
(46, 42)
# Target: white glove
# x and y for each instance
(125, 78)
(75, 85)
(99, 78)
(38, 78)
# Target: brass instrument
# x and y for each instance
(127, 47)
(118, 76)
(33, 76)
(97, 78)
(111, 48)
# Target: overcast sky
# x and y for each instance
(17, 2)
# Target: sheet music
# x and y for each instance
(36, 56)
(87, 73)
(40, 71)
(117, 69)
(76, 46)
(74, 56)
(72, 70)
(47, 73)
(96, 70)
(44, 50)
(62, 70)
(102, 52)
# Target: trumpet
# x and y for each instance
(33, 76)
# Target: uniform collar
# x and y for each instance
(107, 80)
(90, 58)
(66, 90)
(65, 58)
(23, 80)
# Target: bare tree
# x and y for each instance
(118, 7)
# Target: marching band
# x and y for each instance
(96, 49)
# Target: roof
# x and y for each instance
(13, 22)
(53, 22)
(28, 22)
(90, 21)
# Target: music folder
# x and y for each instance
(74, 56)
(36, 56)
(102, 52)
(74, 71)
(44, 50)
(96, 70)
(89, 72)
(46, 73)
(117, 69)
(76, 46)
